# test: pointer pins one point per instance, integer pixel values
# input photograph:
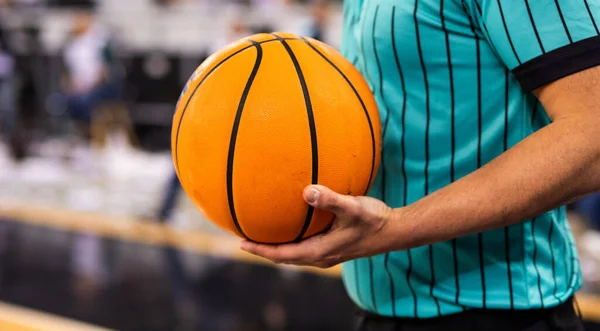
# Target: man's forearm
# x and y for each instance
(548, 169)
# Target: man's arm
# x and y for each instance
(550, 168)
(553, 166)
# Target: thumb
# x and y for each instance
(323, 198)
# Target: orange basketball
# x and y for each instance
(263, 118)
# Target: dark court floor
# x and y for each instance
(148, 288)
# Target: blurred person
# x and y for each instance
(7, 86)
(92, 76)
(317, 23)
(22, 51)
(89, 59)
(490, 123)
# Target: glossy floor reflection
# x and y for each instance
(128, 286)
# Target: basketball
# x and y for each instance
(263, 118)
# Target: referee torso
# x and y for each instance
(452, 80)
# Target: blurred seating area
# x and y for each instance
(144, 49)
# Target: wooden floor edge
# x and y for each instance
(590, 307)
(17, 318)
(136, 230)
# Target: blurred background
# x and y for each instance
(93, 224)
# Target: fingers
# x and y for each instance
(285, 253)
(321, 197)
(315, 251)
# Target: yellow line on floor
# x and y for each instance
(10, 326)
(15, 318)
(129, 229)
(590, 307)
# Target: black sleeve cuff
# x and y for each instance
(558, 63)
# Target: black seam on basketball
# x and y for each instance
(234, 132)
(313, 131)
(176, 161)
(362, 104)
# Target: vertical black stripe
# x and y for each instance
(506, 91)
(403, 148)
(432, 284)
(479, 134)
(482, 269)
(562, 19)
(426, 170)
(483, 26)
(362, 46)
(523, 252)
(234, 131)
(427, 101)
(572, 253)
(587, 6)
(451, 81)
(506, 229)
(348, 26)
(312, 128)
(401, 74)
(452, 140)
(371, 284)
(479, 162)
(373, 300)
(539, 280)
(534, 112)
(478, 55)
(356, 281)
(566, 262)
(412, 290)
(374, 41)
(507, 33)
(568, 246)
(571, 261)
(362, 103)
(379, 89)
(537, 35)
(456, 273)
(391, 281)
(552, 258)
(389, 110)
(508, 267)
(365, 72)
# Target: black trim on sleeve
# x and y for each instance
(558, 63)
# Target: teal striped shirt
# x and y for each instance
(453, 82)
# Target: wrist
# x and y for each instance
(401, 231)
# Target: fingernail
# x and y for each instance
(313, 195)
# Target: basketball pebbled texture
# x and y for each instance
(264, 117)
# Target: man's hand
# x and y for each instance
(361, 228)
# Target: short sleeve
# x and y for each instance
(543, 40)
